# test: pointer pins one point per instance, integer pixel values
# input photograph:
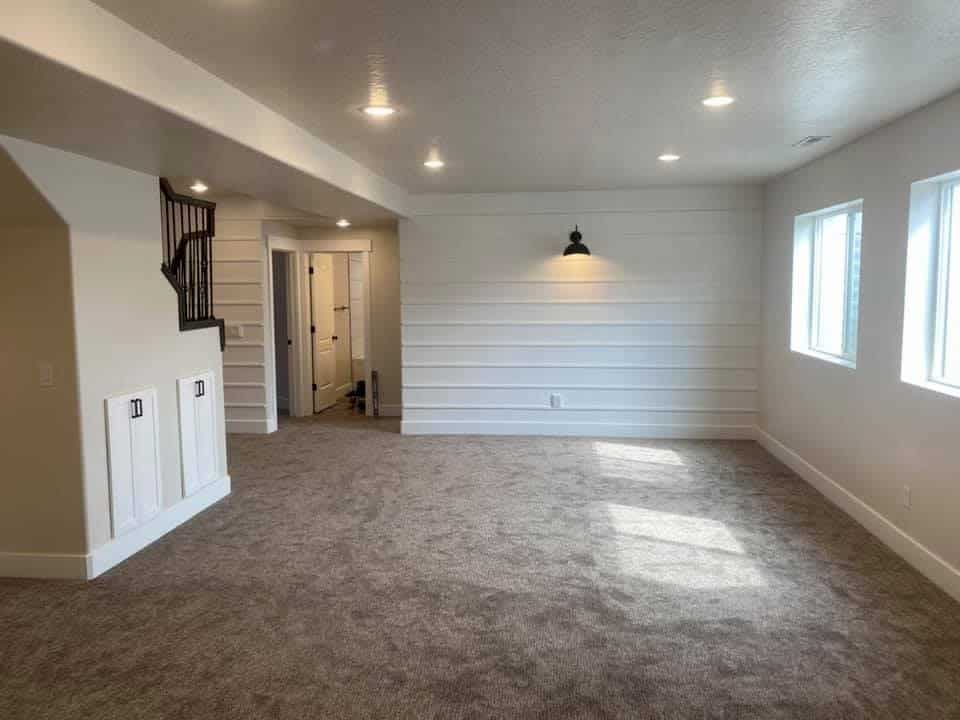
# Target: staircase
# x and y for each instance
(188, 229)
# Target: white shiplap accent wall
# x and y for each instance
(653, 335)
(239, 298)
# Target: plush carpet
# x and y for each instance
(355, 573)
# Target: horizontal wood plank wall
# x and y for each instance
(654, 335)
(239, 298)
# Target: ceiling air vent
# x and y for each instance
(810, 140)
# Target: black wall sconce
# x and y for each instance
(576, 246)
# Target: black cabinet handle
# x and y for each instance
(136, 407)
(199, 388)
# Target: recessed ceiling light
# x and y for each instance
(199, 187)
(668, 158)
(434, 163)
(343, 222)
(715, 101)
(379, 110)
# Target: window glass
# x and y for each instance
(830, 285)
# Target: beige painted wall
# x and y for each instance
(125, 311)
(41, 490)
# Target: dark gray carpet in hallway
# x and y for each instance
(355, 573)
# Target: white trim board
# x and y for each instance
(252, 426)
(591, 430)
(97, 562)
(117, 550)
(931, 565)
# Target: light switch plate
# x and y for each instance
(906, 497)
(45, 374)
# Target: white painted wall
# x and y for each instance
(240, 295)
(125, 313)
(654, 334)
(864, 429)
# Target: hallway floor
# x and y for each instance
(356, 573)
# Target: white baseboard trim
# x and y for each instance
(44, 566)
(391, 411)
(934, 567)
(598, 430)
(86, 567)
(116, 551)
(251, 427)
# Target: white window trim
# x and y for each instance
(941, 286)
(807, 230)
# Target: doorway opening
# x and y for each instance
(283, 325)
(338, 325)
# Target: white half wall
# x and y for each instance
(865, 430)
(653, 335)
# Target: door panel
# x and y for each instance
(146, 468)
(323, 324)
(198, 436)
(206, 432)
(123, 509)
(342, 310)
(188, 435)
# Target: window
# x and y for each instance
(945, 367)
(826, 283)
(931, 312)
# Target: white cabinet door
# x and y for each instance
(133, 459)
(198, 431)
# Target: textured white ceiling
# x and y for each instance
(571, 94)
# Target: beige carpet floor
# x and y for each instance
(355, 573)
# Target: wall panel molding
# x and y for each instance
(655, 335)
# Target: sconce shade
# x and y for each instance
(576, 246)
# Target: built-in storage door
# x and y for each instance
(198, 431)
(133, 459)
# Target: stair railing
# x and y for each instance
(188, 227)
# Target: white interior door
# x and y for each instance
(322, 327)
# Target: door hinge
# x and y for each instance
(314, 387)
(313, 329)
(311, 271)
